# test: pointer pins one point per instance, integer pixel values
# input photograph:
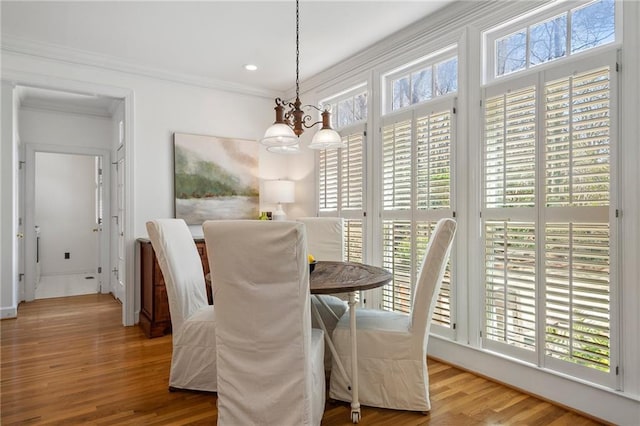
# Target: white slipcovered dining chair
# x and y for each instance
(193, 362)
(325, 241)
(392, 346)
(270, 360)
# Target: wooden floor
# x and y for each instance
(70, 361)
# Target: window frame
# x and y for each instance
(431, 60)
(415, 215)
(541, 215)
(535, 17)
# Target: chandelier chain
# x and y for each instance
(297, 50)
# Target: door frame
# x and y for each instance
(132, 297)
(31, 149)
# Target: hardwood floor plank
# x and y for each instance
(69, 361)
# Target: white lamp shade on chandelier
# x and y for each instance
(278, 192)
(279, 134)
(326, 139)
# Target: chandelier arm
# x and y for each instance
(314, 107)
(306, 119)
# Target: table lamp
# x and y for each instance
(279, 191)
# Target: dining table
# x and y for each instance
(332, 277)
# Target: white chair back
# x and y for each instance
(263, 322)
(181, 267)
(325, 237)
(431, 274)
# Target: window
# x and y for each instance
(518, 47)
(428, 79)
(341, 177)
(417, 151)
(546, 217)
(348, 109)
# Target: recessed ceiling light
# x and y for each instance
(250, 67)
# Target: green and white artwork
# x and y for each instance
(215, 178)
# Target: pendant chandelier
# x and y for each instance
(283, 136)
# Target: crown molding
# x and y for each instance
(48, 51)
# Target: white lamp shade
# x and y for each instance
(278, 191)
(326, 139)
(279, 134)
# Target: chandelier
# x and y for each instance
(283, 136)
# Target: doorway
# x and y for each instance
(66, 238)
(68, 224)
(67, 117)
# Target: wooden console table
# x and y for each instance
(155, 319)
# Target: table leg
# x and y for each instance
(327, 337)
(355, 403)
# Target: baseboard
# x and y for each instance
(11, 312)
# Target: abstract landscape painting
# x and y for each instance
(215, 178)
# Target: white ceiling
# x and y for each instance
(213, 40)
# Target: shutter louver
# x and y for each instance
(577, 140)
(433, 174)
(577, 294)
(396, 167)
(510, 296)
(328, 181)
(353, 240)
(510, 149)
(396, 253)
(352, 172)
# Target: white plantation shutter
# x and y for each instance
(577, 232)
(342, 193)
(396, 258)
(509, 212)
(352, 172)
(577, 327)
(354, 239)
(577, 140)
(510, 120)
(433, 156)
(416, 191)
(328, 181)
(396, 165)
(510, 291)
(548, 254)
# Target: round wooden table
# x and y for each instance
(344, 277)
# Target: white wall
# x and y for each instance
(159, 108)
(65, 199)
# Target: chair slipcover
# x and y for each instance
(392, 346)
(270, 360)
(193, 362)
(325, 241)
